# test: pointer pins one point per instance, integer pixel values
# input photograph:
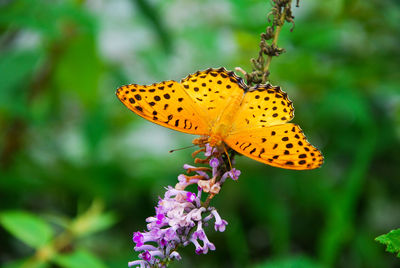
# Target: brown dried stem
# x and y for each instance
(281, 12)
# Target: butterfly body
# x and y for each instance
(218, 105)
(221, 128)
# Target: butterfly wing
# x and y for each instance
(166, 104)
(263, 106)
(191, 106)
(283, 146)
(213, 90)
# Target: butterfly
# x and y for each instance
(218, 105)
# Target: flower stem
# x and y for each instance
(281, 12)
(275, 40)
(208, 200)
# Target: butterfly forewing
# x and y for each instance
(212, 90)
(283, 146)
(166, 104)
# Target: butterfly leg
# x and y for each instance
(227, 155)
(197, 152)
(201, 142)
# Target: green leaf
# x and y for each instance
(27, 227)
(391, 240)
(77, 259)
(92, 220)
(100, 222)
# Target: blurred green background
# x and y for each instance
(76, 164)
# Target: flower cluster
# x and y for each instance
(181, 216)
(178, 221)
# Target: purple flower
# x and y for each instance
(199, 249)
(145, 255)
(182, 178)
(190, 197)
(138, 239)
(160, 219)
(199, 234)
(142, 263)
(219, 223)
(214, 162)
(163, 242)
(145, 247)
(209, 150)
(175, 255)
(170, 234)
(233, 173)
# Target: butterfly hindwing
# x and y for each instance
(263, 106)
(283, 146)
(166, 104)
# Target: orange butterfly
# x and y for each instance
(217, 104)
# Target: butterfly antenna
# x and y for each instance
(171, 151)
(227, 155)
